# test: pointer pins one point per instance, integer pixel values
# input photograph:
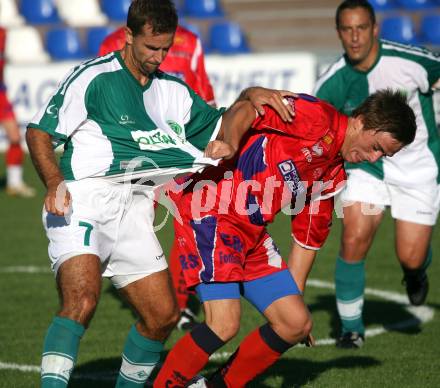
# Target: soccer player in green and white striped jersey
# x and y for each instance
(407, 182)
(120, 119)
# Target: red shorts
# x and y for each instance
(222, 248)
(6, 110)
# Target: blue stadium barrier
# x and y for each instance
(194, 28)
(39, 11)
(202, 8)
(383, 5)
(416, 4)
(227, 38)
(64, 43)
(399, 29)
(430, 29)
(95, 36)
(116, 9)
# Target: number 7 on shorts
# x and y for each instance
(89, 228)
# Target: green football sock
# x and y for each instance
(350, 285)
(59, 353)
(138, 359)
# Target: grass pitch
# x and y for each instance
(400, 357)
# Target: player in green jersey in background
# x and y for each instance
(407, 182)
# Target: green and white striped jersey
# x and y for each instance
(398, 67)
(110, 124)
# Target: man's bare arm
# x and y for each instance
(235, 122)
(260, 96)
(57, 198)
(300, 263)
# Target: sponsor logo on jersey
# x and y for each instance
(317, 149)
(177, 129)
(153, 140)
(52, 110)
(328, 139)
(307, 154)
(232, 241)
(291, 177)
(229, 258)
(125, 120)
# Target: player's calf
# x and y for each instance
(416, 281)
(60, 351)
(188, 357)
(417, 286)
(257, 352)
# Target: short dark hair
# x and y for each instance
(161, 15)
(351, 4)
(388, 111)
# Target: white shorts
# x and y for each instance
(420, 206)
(112, 221)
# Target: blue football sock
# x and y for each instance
(138, 359)
(350, 285)
(59, 353)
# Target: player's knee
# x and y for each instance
(307, 326)
(411, 261)
(302, 325)
(226, 328)
(161, 325)
(295, 327)
(81, 309)
(354, 244)
(172, 319)
(228, 331)
(352, 237)
(411, 256)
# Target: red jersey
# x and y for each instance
(221, 234)
(184, 60)
(283, 163)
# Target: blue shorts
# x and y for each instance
(260, 292)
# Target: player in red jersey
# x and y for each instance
(222, 241)
(184, 59)
(15, 185)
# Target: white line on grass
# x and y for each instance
(19, 367)
(25, 269)
(421, 314)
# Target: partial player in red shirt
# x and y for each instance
(184, 60)
(221, 236)
(15, 185)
